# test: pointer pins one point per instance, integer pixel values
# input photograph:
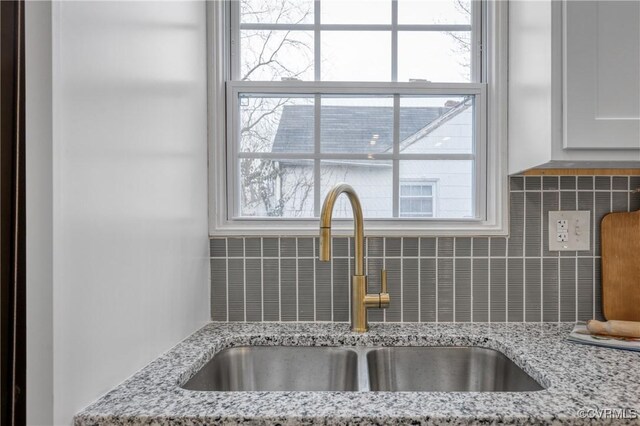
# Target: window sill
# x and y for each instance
(372, 228)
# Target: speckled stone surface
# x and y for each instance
(577, 378)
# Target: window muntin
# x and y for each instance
(317, 162)
(333, 40)
(304, 143)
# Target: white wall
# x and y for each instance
(39, 176)
(130, 241)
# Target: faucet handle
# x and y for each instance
(384, 297)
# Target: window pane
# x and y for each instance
(357, 125)
(436, 125)
(434, 56)
(276, 11)
(270, 188)
(276, 124)
(434, 12)
(372, 180)
(356, 56)
(416, 207)
(355, 12)
(455, 180)
(270, 55)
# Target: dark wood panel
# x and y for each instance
(12, 215)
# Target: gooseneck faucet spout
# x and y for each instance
(361, 300)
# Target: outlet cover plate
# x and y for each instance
(578, 230)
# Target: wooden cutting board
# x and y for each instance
(620, 239)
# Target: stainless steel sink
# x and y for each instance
(279, 368)
(446, 369)
(300, 368)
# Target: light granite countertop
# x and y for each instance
(577, 378)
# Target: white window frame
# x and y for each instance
(433, 183)
(490, 117)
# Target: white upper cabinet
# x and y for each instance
(601, 76)
(574, 83)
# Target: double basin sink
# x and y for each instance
(417, 369)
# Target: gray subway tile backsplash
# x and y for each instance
(480, 246)
(410, 290)
(480, 290)
(515, 289)
(533, 183)
(550, 289)
(428, 247)
(445, 289)
(462, 290)
(235, 247)
(271, 289)
(410, 247)
(235, 289)
(427, 290)
(394, 274)
(253, 285)
(463, 247)
(392, 247)
(218, 288)
(288, 289)
(568, 182)
(497, 289)
(431, 279)
(550, 182)
(585, 182)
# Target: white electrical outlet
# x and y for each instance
(569, 231)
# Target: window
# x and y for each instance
(417, 199)
(318, 92)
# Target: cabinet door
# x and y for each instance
(601, 74)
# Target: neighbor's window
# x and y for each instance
(386, 95)
(417, 199)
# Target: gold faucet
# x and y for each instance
(361, 300)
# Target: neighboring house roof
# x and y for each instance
(349, 128)
(426, 130)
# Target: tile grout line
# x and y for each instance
(593, 249)
(262, 278)
(437, 278)
(506, 293)
(244, 279)
(576, 263)
(315, 307)
(471, 279)
(401, 279)
(453, 284)
(489, 277)
(279, 282)
(559, 260)
(297, 282)
(331, 268)
(524, 252)
(419, 280)
(542, 249)
(349, 274)
(384, 266)
(226, 262)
